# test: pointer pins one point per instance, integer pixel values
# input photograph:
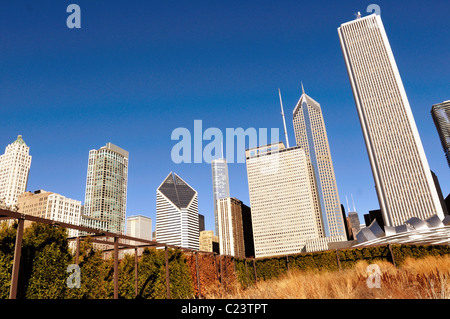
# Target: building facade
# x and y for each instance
(209, 242)
(400, 169)
(279, 185)
(231, 228)
(106, 187)
(311, 135)
(139, 226)
(354, 224)
(177, 221)
(221, 187)
(441, 116)
(52, 206)
(14, 170)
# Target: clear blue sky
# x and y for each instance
(136, 70)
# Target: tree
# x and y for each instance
(45, 257)
(7, 243)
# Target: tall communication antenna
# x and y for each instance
(348, 207)
(284, 120)
(354, 209)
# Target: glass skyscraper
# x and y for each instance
(311, 135)
(106, 187)
(221, 188)
(441, 117)
(400, 168)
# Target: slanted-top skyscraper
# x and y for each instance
(106, 187)
(441, 117)
(221, 188)
(400, 168)
(177, 213)
(311, 135)
(14, 169)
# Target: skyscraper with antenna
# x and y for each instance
(311, 135)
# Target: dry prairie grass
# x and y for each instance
(416, 279)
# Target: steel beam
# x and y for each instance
(116, 268)
(16, 261)
(166, 255)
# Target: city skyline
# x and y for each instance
(72, 118)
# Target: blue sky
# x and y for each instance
(137, 70)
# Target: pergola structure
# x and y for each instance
(99, 237)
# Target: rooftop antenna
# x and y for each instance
(354, 209)
(348, 207)
(284, 120)
(221, 147)
(303, 90)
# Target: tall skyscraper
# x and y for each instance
(311, 135)
(14, 169)
(177, 213)
(400, 168)
(221, 188)
(106, 187)
(51, 206)
(279, 185)
(231, 213)
(441, 116)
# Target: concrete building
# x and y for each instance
(177, 221)
(354, 224)
(52, 206)
(283, 215)
(311, 136)
(441, 116)
(139, 226)
(403, 180)
(106, 187)
(209, 242)
(231, 226)
(14, 169)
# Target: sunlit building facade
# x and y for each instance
(221, 187)
(15, 166)
(177, 221)
(311, 136)
(281, 201)
(400, 168)
(106, 187)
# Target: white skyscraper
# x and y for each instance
(400, 169)
(311, 135)
(281, 201)
(106, 187)
(221, 188)
(14, 169)
(177, 213)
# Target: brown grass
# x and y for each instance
(417, 278)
